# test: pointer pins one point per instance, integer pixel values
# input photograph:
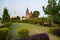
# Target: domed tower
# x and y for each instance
(27, 14)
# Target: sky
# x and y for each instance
(18, 7)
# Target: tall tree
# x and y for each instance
(59, 5)
(35, 14)
(51, 8)
(57, 17)
(5, 16)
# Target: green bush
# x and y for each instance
(23, 33)
(55, 25)
(52, 29)
(3, 33)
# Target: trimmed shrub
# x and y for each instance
(3, 33)
(55, 25)
(51, 30)
(42, 36)
(23, 33)
(57, 32)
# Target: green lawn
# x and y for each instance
(34, 29)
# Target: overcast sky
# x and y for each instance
(20, 6)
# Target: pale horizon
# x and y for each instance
(20, 6)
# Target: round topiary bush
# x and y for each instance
(23, 32)
(42, 36)
(3, 33)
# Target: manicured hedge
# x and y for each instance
(3, 33)
(23, 32)
(52, 29)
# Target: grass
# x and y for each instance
(34, 29)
